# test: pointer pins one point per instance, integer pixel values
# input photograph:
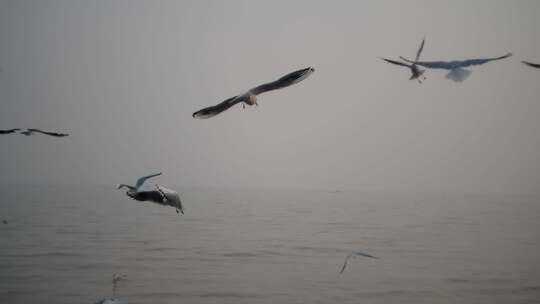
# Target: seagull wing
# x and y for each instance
(141, 180)
(534, 65)
(284, 81)
(215, 110)
(432, 64)
(48, 133)
(466, 63)
(396, 62)
(9, 131)
(345, 263)
(450, 65)
(420, 49)
(172, 196)
(359, 253)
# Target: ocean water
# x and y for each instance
(61, 244)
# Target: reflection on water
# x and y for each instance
(62, 244)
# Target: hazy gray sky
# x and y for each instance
(124, 77)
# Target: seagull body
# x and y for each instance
(456, 67)
(355, 254)
(29, 132)
(161, 195)
(534, 65)
(250, 97)
(416, 72)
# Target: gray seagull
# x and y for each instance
(355, 254)
(456, 67)
(160, 195)
(416, 72)
(250, 97)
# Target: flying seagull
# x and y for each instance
(416, 72)
(250, 97)
(457, 72)
(160, 195)
(355, 254)
(534, 65)
(29, 132)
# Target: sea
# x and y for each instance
(62, 244)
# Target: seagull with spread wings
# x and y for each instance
(534, 65)
(160, 195)
(416, 72)
(250, 97)
(456, 67)
(355, 254)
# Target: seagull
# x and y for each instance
(160, 195)
(416, 72)
(534, 65)
(29, 132)
(457, 72)
(250, 97)
(355, 254)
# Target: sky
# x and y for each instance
(123, 78)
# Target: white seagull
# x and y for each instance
(250, 97)
(534, 65)
(355, 254)
(29, 132)
(457, 72)
(416, 72)
(161, 195)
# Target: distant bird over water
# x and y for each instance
(161, 195)
(250, 97)
(457, 72)
(29, 132)
(534, 65)
(416, 72)
(355, 254)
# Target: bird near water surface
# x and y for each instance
(160, 195)
(355, 254)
